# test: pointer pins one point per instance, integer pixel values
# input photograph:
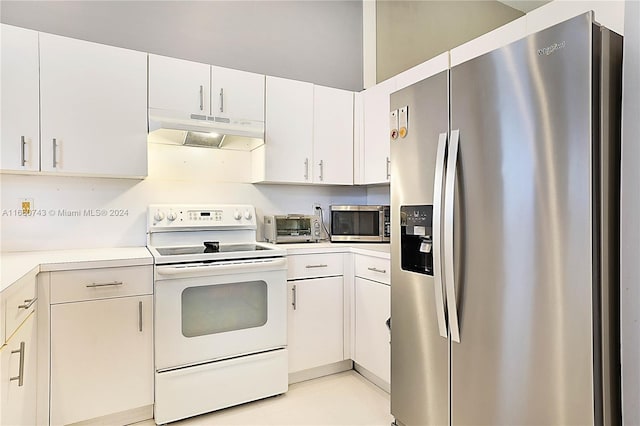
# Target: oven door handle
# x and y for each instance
(222, 268)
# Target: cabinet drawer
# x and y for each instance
(90, 284)
(19, 302)
(373, 268)
(314, 265)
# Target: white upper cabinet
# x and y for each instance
(93, 108)
(376, 163)
(19, 86)
(287, 153)
(332, 136)
(237, 94)
(179, 85)
(309, 135)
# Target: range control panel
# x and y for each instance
(174, 216)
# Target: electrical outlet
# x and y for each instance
(26, 205)
(316, 208)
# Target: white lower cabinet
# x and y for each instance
(18, 376)
(315, 323)
(316, 311)
(101, 359)
(372, 349)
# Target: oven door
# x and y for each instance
(219, 310)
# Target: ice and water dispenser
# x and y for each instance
(416, 244)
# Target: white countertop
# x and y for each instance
(371, 249)
(16, 265)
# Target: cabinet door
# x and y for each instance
(101, 358)
(18, 385)
(93, 108)
(19, 137)
(373, 307)
(315, 323)
(376, 132)
(237, 94)
(332, 136)
(289, 130)
(179, 85)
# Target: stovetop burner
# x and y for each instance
(182, 233)
(222, 248)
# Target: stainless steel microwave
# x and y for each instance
(360, 223)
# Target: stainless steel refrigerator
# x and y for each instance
(504, 242)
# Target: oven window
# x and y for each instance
(223, 307)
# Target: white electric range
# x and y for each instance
(220, 309)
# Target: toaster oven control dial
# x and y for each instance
(247, 214)
(237, 215)
(159, 216)
(171, 216)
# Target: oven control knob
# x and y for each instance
(158, 216)
(172, 216)
(237, 215)
(247, 214)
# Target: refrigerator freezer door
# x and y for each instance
(419, 355)
(523, 234)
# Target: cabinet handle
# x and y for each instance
(140, 316)
(201, 98)
(221, 100)
(28, 303)
(388, 168)
(55, 155)
(23, 158)
(306, 169)
(321, 170)
(388, 323)
(20, 376)
(320, 265)
(114, 283)
(295, 298)
(382, 271)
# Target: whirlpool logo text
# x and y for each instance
(550, 49)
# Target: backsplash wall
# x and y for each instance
(62, 206)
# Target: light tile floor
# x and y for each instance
(345, 399)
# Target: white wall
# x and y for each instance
(315, 41)
(630, 222)
(176, 174)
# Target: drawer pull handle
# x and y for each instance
(382, 271)
(28, 303)
(20, 376)
(114, 283)
(321, 265)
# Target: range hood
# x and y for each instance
(178, 128)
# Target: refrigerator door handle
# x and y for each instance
(449, 264)
(437, 238)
